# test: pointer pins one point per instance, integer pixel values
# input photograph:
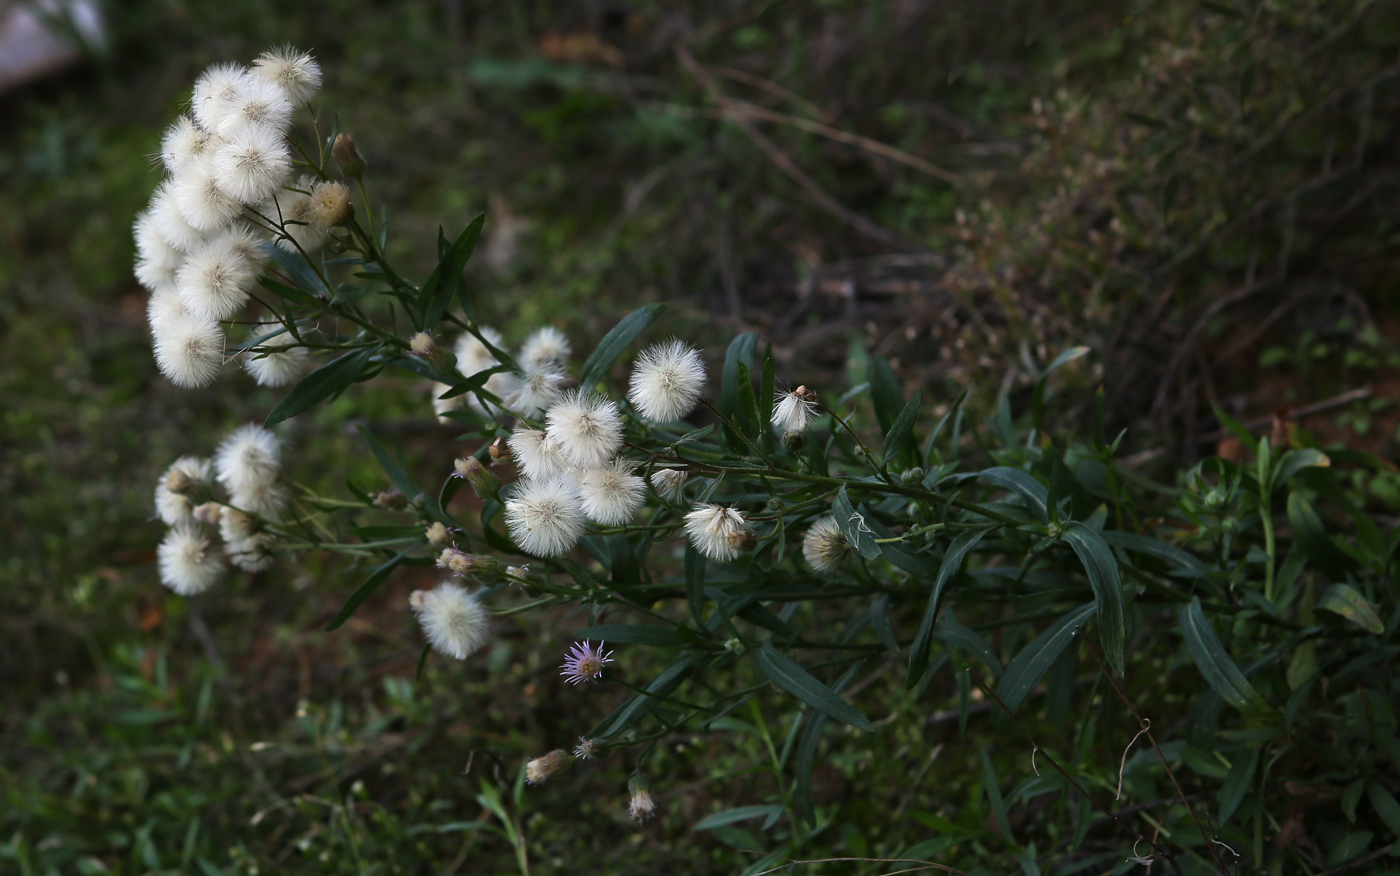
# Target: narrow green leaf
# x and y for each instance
(635, 706)
(1219, 670)
(319, 384)
(952, 563)
(885, 391)
(446, 278)
(854, 527)
(880, 621)
(1021, 483)
(991, 784)
(1295, 461)
(1102, 569)
(631, 634)
(614, 342)
(393, 467)
(807, 749)
(376, 577)
(695, 584)
(789, 676)
(1235, 428)
(1029, 665)
(296, 268)
(931, 448)
(1384, 803)
(901, 433)
(732, 816)
(1347, 601)
(1238, 782)
(955, 635)
(1310, 536)
(1038, 394)
(748, 415)
(1187, 566)
(741, 350)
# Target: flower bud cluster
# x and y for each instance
(246, 467)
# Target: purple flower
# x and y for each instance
(585, 662)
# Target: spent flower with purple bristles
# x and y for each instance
(585, 662)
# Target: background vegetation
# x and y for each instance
(1205, 194)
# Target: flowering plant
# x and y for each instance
(757, 536)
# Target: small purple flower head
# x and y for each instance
(585, 662)
(586, 749)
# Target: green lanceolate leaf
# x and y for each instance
(742, 813)
(884, 389)
(376, 577)
(614, 342)
(931, 448)
(898, 438)
(666, 681)
(1312, 539)
(992, 785)
(952, 562)
(446, 278)
(631, 634)
(1038, 395)
(854, 527)
(1295, 461)
(295, 267)
(807, 749)
(1238, 782)
(955, 635)
(695, 584)
(1102, 569)
(1187, 566)
(789, 676)
(325, 381)
(741, 350)
(1031, 663)
(1348, 602)
(1021, 483)
(1219, 670)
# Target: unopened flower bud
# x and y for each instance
(392, 499)
(426, 347)
(540, 769)
(484, 483)
(438, 534)
(351, 162)
(742, 541)
(794, 441)
(462, 563)
(586, 749)
(640, 807)
(912, 476)
(498, 449)
(521, 572)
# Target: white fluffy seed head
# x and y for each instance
(545, 516)
(718, 532)
(271, 364)
(156, 260)
(586, 427)
(248, 547)
(181, 142)
(187, 559)
(189, 349)
(453, 619)
(214, 91)
(265, 500)
(164, 304)
(292, 70)
(547, 346)
(536, 456)
(214, 281)
(669, 483)
(168, 221)
(612, 494)
(330, 206)
(794, 411)
(202, 203)
(181, 488)
(666, 380)
(534, 391)
(247, 462)
(256, 101)
(825, 545)
(252, 163)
